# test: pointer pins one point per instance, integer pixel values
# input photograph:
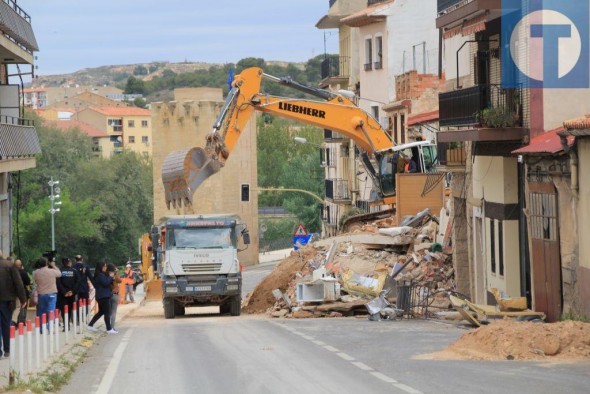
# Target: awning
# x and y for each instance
(467, 28)
(546, 143)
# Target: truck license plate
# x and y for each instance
(202, 288)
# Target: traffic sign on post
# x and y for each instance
(300, 230)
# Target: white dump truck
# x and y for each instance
(197, 259)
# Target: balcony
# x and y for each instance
(482, 113)
(451, 11)
(378, 65)
(331, 67)
(330, 135)
(15, 24)
(368, 66)
(337, 190)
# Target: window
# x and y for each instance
(375, 111)
(144, 123)
(131, 139)
(130, 123)
(378, 53)
(368, 54)
(145, 139)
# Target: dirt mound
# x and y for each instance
(512, 340)
(261, 297)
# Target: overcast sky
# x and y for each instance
(77, 34)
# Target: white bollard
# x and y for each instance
(12, 358)
(44, 336)
(21, 349)
(56, 330)
(37, 343)
(67, 323)
(75, 316)
(29, 347)
(50, 332)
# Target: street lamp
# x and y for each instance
(53, 210)
(301, 140)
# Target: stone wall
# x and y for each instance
(184, 123)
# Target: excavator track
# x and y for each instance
(358, 220)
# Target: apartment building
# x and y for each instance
(19, 143)
(128, 127)
(492, 120)
(378, 40)
(102, 144)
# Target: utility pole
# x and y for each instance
(53, 210)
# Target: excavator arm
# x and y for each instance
(183, 171)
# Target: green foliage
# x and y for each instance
(134, 86)
(283, 163)
(106, 204)
(497, 117)
(140, 70)
(140, 102)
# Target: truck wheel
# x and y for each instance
(169, 308)
(235, 305)
(179, 309)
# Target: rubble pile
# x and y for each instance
(340, 276)
(512, 340)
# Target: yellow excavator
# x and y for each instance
(151, 282)
(183, 171)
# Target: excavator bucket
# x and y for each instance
(182, 173)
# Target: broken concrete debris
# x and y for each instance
(358, 273)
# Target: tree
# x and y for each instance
(134, 86)
(140, 102)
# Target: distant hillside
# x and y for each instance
(116, 75)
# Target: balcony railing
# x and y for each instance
(337, 189)
(330, 135)
(446, 4)
(481, 105)
(331, 67)
(6, 119)
(368, 66)
(378, 65)
(15, 24)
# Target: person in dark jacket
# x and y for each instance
(67, 286)
(102, 284)
(84, 276)
(11, 286)
(20, 312)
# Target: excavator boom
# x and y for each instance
(183, 171)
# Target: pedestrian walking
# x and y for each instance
(84, 275)
(45, 279)
(129, 279)
(115, 289)
(11, 286)
(20, 311)
(102, 283)
(67, 287)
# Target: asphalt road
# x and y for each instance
(204, 352)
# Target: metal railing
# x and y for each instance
(337, 189)
(18, 10)
(331, 67)
(368, 66)
(15, 120)
(378, 65)
(446, 4)
(481, 105)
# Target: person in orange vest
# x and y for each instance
(129, 280)
(410, 165)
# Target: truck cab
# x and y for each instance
(197, 257)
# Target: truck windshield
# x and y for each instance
(199, 238)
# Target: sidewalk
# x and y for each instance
(122, 312)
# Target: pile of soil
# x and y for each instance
(261, 297)
(513, 340)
